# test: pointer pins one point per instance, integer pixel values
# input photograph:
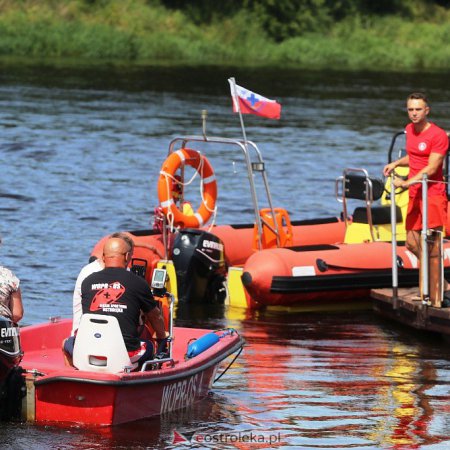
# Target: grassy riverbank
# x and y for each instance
(144, 32)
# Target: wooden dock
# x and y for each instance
(409, 310)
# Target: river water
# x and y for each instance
(80, 152)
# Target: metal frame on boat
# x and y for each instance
(272, 227)
(252, 167)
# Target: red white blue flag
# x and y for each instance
(248, 102)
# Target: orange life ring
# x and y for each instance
(201, 164)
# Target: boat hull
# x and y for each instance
(61, 394)
(108, 402)
(339, 272)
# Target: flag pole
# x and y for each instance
(248, 161)
(238, 108)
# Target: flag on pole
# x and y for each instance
(248, 102)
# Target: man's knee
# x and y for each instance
(413, 242)
(68, 345)
(434, 251)
(413, 247)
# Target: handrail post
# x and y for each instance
(170, 337)
(424, 264)
(394, 244)
(165, 236)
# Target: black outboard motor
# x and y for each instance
(198, 257)
(12, 382)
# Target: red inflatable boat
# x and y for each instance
(275, 260)
(203, 254)
(285, 276)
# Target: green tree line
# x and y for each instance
(284, 19)
(338, 34)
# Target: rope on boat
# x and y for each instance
(229, 365)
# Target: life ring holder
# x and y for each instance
(208, 188)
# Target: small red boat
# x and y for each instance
(60, 394)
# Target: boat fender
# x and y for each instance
(201, 344)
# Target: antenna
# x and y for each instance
(204, 117)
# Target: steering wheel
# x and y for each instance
(398, 190)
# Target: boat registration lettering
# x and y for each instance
(303, 271)
(181, 393)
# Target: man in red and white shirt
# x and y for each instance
(426, 147)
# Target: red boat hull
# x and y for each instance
(65, 395)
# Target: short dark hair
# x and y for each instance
(125, 238)
(417, 96)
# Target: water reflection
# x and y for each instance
(352, 382)
(332, 380)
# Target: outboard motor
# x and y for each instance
(12, 382)
(198, 257)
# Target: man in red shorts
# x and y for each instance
(426, 147)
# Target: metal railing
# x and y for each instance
(342, 195)
(253, 167)
(424, 260)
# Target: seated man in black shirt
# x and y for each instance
(120, 293)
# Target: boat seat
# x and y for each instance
(362, 187)
(381, 215)
(99, 345)
(363, 227)
(276, 231)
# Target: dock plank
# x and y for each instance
(409, 310)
